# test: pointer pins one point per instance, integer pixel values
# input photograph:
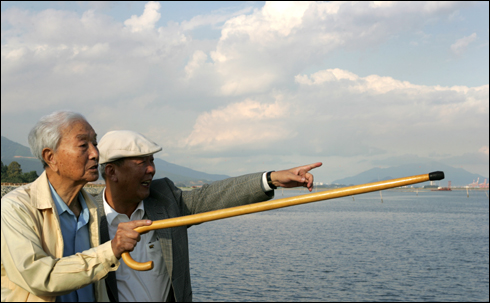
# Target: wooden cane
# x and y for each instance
(275, 204)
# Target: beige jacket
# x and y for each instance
(33, 266)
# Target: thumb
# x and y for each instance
(300, 178)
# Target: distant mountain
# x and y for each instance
(13, 151)
(457, 176)
(183, 174)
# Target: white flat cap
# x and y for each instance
(125, 143)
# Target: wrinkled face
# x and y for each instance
(134, 177)
(77, 156)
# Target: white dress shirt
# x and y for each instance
(264, 182)
(133, 285)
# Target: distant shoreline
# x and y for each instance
(95, 189)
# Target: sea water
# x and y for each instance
(425, 246)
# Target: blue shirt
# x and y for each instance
(76, 238)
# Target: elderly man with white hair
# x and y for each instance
(126, 159)
(50, 227)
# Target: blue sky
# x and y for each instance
(238, 87)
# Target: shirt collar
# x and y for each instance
(111, 214)
(61, 206)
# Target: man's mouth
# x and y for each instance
(146, 183)
(94, 167)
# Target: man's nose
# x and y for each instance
(94, 152)
(151, 169)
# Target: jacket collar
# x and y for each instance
(41, 194)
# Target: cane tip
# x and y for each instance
(436, 175)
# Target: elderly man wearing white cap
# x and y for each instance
(126, 159)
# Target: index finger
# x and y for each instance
(312, 166)
(137, 223)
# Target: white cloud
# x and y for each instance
(270, 44)
(258, 91)
(197, 60)
(147, 20)
(444, 101)
(283, 17)
(212, 19)
(375, 84)
(328, 75)
(240, 125)
(382, 116)
(87, 59)
(337, 112)
(460, 46)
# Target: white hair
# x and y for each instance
(47, 132)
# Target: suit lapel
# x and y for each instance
(111, 282)
(155, 210)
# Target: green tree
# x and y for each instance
(4, 172)
(14, 170)
(14, 173)
(29, 177)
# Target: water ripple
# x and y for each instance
(430, 247)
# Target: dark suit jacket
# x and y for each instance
(168, 201)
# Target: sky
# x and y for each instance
(241, 87)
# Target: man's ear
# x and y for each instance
(110, 172)
(49, 157)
